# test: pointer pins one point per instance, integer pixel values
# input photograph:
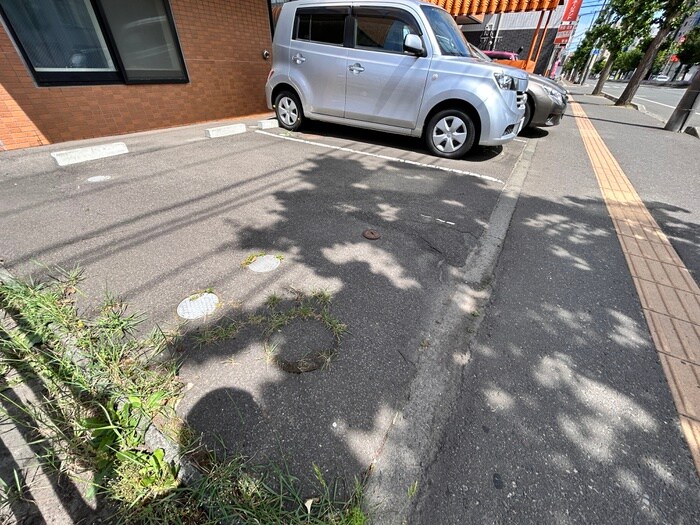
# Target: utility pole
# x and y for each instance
(685, 107)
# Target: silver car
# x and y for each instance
(400, 66)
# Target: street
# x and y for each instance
(659, 101)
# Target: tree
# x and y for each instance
(689, 51)
(685, 107)
(628, 60)
(672, 14)
(623, 22)
(599, 66)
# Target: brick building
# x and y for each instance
(73, 69)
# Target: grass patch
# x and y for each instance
(100, 387)
(279, 312)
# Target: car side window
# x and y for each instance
(383, 29)
(321, 25)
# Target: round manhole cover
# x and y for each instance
(372, 235)
(198, 305)
(263, 264)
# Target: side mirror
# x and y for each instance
(414, 45)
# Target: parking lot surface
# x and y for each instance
(181, 214)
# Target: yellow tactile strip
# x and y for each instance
(670, 297)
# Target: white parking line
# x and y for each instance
(383, 157)
(659, 103)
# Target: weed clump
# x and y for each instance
(101, 388)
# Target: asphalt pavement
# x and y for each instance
(564, 415)
(556, 412)
(658, 101)
(181, 214)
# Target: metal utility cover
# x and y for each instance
(198, 306)
(263, 264)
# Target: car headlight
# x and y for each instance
(554, 94)
(504, 81)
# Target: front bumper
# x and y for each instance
(505, 118)
(548, 112)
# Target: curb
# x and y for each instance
(693, 131)
(638, 107)
(413, 441)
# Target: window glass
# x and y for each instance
(144, 39)
(59, 35)
(319, 26)
(383, 29)
(447, 33)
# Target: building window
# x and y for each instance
(68, 42)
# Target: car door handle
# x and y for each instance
(356, 68)
(299, 58)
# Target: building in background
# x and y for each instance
(672, 67)
(515, 31)
(75, 69)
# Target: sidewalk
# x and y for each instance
(565, 414)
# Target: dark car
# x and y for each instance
(546, 102)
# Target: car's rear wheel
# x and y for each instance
(450, 134)
(288, 110)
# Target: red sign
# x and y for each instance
(674, 58)
(564, 34)
(571, 11)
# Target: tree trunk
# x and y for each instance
(605, 73)
(643, 68)
(685, 107)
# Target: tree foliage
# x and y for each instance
(670, 16)
(689, 51)
(628, 60)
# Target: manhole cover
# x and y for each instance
(99, 178)
(263, 264)
(372, 235)
(198, 305)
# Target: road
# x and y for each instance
(659, 101)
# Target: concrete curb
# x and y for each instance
(76, 156)
(638, 107)
(413, 441)
(693, 131)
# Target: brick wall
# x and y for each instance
(222, 42)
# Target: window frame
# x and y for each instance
(337, 10)
(95, 78)
(396, 13)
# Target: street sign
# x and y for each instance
(571, 11)
(595, 52)
(564, 33)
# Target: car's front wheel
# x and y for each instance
(288, 110)
(527, 118)
(450, 134)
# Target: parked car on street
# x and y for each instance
(546, 100)
(660, 78)
(400, 66)
(501, 55)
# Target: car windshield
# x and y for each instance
(449, 37)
